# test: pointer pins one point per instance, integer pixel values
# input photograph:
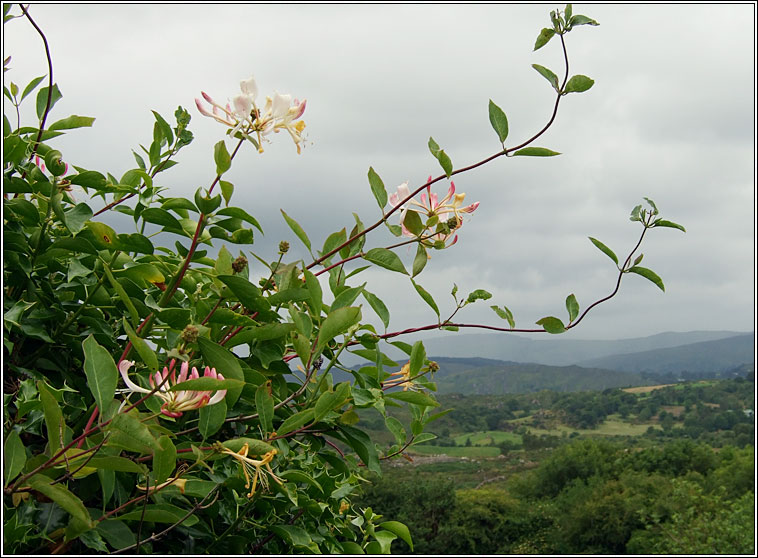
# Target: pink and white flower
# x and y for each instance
(242, 114)
(175, 402)
(448, 210)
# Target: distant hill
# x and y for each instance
(705, 357)
(560, 350)
(577, 365)
(478, 376)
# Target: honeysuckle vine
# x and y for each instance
(122, 348)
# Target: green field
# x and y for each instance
(612, 426)
(488, 438)
(455, 451)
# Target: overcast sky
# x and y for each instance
(671, 117)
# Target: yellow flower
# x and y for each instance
(403, 379)
(179, 483)
(253, 467)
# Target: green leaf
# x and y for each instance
(61, 496)
(14, 456)
(115, 463)
(116, 533)
(420, 260)
(543, 38)
(536, 152)
(77, 216)
(363, 446)
(32, 85)
(101, 372)
(441, 156)
(499, 121)
(398, 529)
(289, 295)
(581, 20)
(143, 349)
(42, 96)
(413, 397)
(227, 189)
(160, 513)
(670, 224)
(379, 307)
(478, 294)
(604, 249)
(384, 539)
(205, 202)
(297, 229)
(331, 400)
(292, 534)
(413, 223)
(347, 297)
(377, 187)
(648, 274)
(335, 323)
(53, 417)
(256, 447)
(573, 307)
(314, 288)
(418, 356)
(211, 418)
(221, 157)
(552, 325)
(164, 460)
(264, 404)
(72, 122)
(240, 214)
(578, 84)
(207, 384)
(397, 429)
(385, 258)
(548, 75)
(427, 297)
(505, 314)
(248, 294)
(164, 127)
(129, 432)
(161, 217)
(295, 421)
(225, 363)
(350, 547)
(89, 179)
(299, 476)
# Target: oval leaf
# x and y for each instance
(377, 187)
(101, 372)
(499, 121)
(604, 249)
(578, 84)
(648, 274)
(552, 325)
(386, 259)
(573, 307)
(536, 152)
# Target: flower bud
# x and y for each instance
(239, 264)
(284, 247)
(190, 334)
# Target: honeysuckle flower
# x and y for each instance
(175, 402)
(448, 210)
(179, 483)
(402, 378)
(254, 467)
(242, 114)
(281, 112)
